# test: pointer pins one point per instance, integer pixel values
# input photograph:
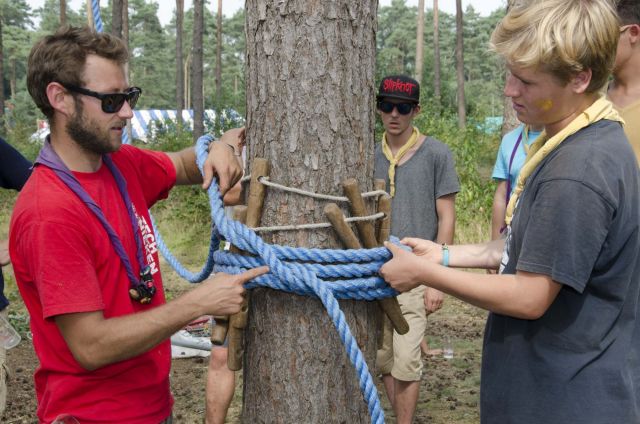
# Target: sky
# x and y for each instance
(229, 7)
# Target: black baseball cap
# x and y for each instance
(399, 87)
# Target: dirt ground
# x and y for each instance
(449, 387)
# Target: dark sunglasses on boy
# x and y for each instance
(403, 108)
(111, 102)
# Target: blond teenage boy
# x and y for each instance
(562, 337)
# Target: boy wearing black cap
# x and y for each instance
(421, 177)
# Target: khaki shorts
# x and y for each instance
(400, 355)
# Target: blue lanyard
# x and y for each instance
(142, 288)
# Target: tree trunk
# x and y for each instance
(219, 62)
(13, 78)
(90, 22)
(462, 113)
(116, 18)
(509, 117)
(310, 91)
(436, 55)
(63, 12)
(2, 99)
(420, 42)
(179, 64)
(197, 94)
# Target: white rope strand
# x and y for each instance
(294, 227)
(269, 183)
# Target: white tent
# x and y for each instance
(146, 121)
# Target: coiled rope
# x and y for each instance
(358, 269)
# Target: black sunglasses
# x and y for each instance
(403, 108)
(111, 102)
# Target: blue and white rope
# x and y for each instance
(97, 19)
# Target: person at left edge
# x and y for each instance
(81, 240)
(14, 171)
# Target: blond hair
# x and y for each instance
(562, 37)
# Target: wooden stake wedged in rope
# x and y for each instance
(390, 305)
(255, 202)
(219, 331)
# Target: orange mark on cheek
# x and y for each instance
(544, 105)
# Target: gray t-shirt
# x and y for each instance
(578, 222)
(429, 174)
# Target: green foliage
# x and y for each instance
(474, 153)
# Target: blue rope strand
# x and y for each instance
(359, 266)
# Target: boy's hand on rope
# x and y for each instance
(400, 271)
(223, 293)
(224, 160)
(425, 248)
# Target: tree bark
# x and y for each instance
(179, 64)
(420, 42)
(310, 95)
(197, 93)
(509, 117)
(90, 22)
(116, 18)
(2, 99)
(13, 78)
(436, 54)
(219, 62)
(462, 112)
(124, 12)
(63, 12)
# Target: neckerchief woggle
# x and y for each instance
(142, 288)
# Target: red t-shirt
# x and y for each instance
(64, 262)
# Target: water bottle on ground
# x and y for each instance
(9, 337)
(447, 349)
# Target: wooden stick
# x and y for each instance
(390, 305)
(384, 205)
(219, 331)
(237, 322)
(345, 234)
(378, 184)
(358, 208)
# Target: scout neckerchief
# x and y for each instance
(540, 149)
(394, 160)
(142, 288)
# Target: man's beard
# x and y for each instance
(87, 135)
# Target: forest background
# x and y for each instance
(153, 67)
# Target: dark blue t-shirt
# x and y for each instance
(14, 172)
(577, 221)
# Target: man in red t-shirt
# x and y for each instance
(82, 246)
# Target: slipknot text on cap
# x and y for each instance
(398, 85)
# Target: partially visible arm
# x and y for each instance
(96, 341)
(523, 295)
(499, 209)
(446, 210)
(4, 252)
(221, 160)
(483, 255)
(14, 168)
